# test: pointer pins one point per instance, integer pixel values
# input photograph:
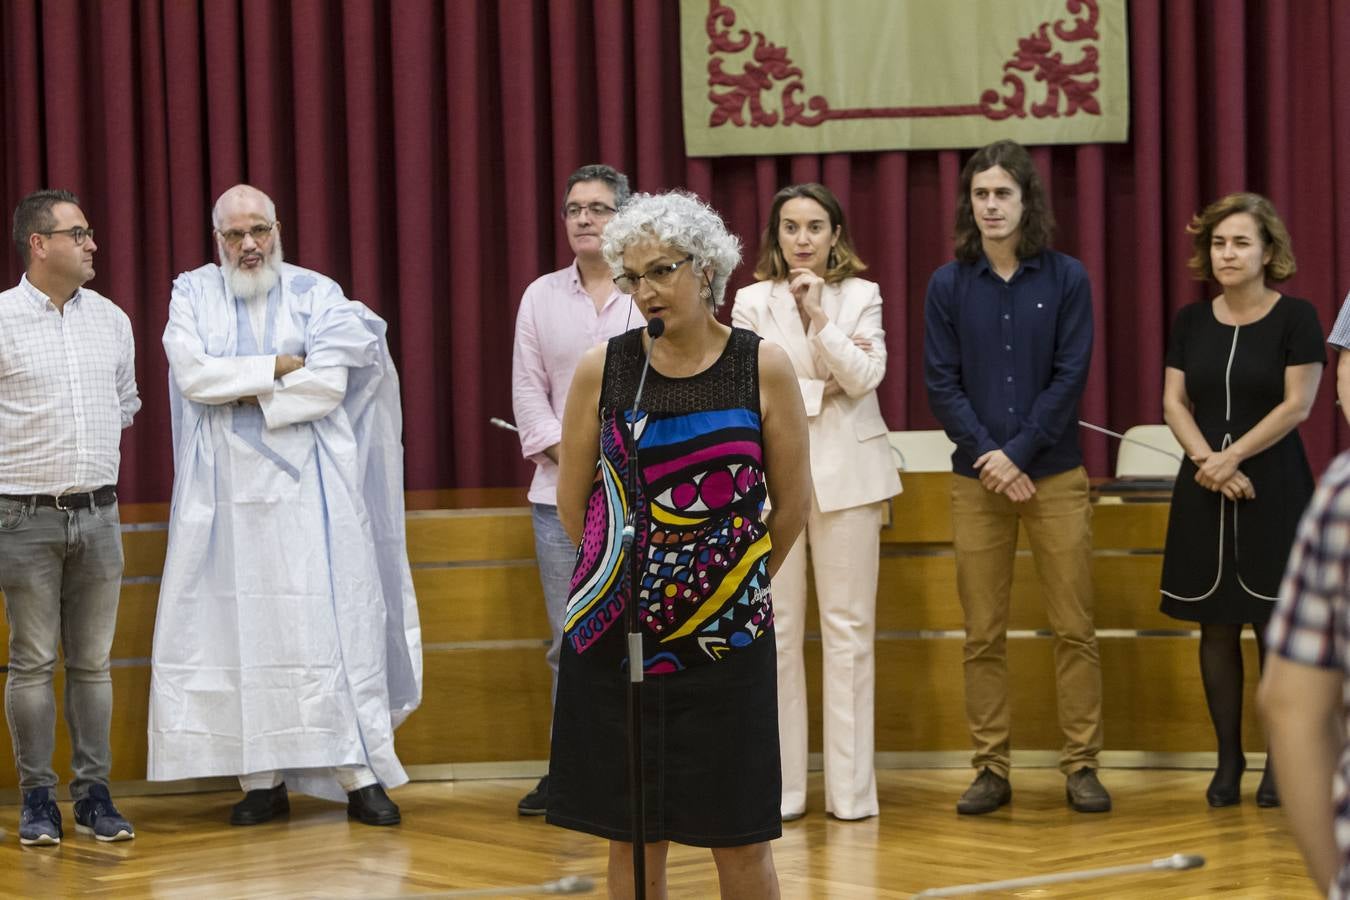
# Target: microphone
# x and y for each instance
(1129, 440)
(655, 328)
(568, 884)
(502, 423)
(1176, 862)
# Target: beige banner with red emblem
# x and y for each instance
(818, 76)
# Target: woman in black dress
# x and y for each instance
(1242, 372)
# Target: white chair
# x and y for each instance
(1152, 456)
(922, 451)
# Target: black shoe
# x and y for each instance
(371, 806)
(1267, 794)
(986, 793)
(535, 803)
(262, 805)
(1085, 793)
(1225, 791)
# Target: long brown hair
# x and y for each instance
(1038, 223)
(844, 260)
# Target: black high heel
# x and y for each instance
(1226, 793)
(1268, 793)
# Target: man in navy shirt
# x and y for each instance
(1007, 341)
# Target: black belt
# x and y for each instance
(101, 497)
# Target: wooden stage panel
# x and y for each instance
(1152, 699)
(917, 592)
(489, 602)
(143, 550)
(486, 694)
(922, 515)
(480, 706)
(470, 536)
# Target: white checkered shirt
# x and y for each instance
(67, 389)
(1311, 622)
(1340, 332)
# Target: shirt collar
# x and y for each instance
(574, 281)
(40, 299)
(1031, 262)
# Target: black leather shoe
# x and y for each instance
(261, 806)
(535, 803)
(1267, 794)
(371, 806)
(1225, 791)
(1085, 793)
(986, 793)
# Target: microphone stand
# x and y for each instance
(636, 794)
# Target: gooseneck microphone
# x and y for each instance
(1129, 440)
(655, 328)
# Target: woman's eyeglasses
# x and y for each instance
(656, 275)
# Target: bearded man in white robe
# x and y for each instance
(287, 647)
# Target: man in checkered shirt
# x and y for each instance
(1305, 694)
(1340, 339)
(67, 389)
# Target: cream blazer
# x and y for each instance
(851, 461)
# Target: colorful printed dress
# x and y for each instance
(704, 607)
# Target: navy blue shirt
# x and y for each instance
(1005, 362)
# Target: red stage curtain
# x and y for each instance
(417, 150)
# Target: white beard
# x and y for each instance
(247, 284)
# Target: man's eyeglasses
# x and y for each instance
(259, 233)
(77, 234)
(597, 210)
(628, 283)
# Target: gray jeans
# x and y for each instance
(61, 573)
(557, 557)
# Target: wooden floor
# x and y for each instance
(466, 835)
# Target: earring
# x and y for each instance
(705, 293)
(830, 262)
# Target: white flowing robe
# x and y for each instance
(287, 634)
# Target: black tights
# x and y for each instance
(1221, 672)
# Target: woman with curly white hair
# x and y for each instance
(720, 428)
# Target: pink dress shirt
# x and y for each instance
(556, 323)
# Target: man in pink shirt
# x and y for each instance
(563, 314)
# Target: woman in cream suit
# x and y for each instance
(829, 322)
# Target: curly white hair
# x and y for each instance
(681, 221)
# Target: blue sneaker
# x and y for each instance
(96, 815)
(40, 819)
